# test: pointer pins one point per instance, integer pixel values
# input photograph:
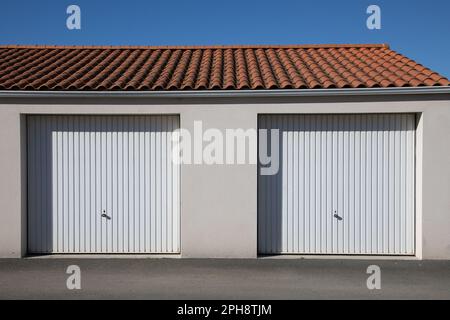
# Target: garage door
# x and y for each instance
(102, 184)
(345, 185)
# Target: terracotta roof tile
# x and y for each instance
(209, 68)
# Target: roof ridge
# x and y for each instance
(186, 47)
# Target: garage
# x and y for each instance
(357, 165)
(346, 185)
(102, 184)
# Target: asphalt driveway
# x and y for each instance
(222, 279)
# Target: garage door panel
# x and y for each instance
(100, 184)
(346, 184)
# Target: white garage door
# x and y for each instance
(345, 185)
(102, 184)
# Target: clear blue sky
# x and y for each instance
(419, 29)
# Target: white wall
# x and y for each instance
(219, 203)
(12, 227)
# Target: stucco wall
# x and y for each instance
(219, 203)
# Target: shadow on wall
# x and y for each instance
(270, 202)
(39, 185)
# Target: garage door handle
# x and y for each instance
(337, 217)
(104, 215)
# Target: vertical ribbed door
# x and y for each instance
(345, 185)
(102, 184)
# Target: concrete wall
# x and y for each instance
(11, 205)
(219, 203)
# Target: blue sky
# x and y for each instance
(419, 29)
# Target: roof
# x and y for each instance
(177, 68)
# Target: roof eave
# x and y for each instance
(227, 93)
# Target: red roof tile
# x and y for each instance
(209, 68)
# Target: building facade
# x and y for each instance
(362, 164)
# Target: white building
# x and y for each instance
(86, 144)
